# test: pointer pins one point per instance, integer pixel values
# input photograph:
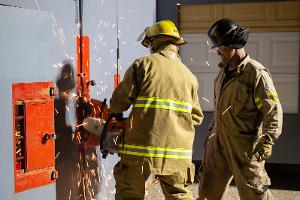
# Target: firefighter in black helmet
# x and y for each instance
(226, 32)
(247, 120)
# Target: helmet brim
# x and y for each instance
(180, 41)
(142, 36)
(215, 45)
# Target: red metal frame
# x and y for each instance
(38, 167)
(117, 80)
(83, 74)
(83, 88)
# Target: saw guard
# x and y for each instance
(94, 127)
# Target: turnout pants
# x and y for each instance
(130, 179)
(221, 165)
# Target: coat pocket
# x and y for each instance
(242, 100)
(246, 143)
(243, 96)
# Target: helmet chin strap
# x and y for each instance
(152, 47)
(236, 59)
(230, 61)
(152, 50)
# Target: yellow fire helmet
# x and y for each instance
(162, 28)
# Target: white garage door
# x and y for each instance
(279, 52)
(273, 41)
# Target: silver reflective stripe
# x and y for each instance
(156, 152)
(163, 103)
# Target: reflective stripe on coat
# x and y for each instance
(164, 95)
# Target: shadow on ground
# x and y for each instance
(283, 176)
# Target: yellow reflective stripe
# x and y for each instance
(156, 148)
(258, 102)
(163, 100)
(273, 97)
(153, 155)
(163, 103)
(161, 106)
(153, 151)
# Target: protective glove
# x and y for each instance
(210, 133)
(263, 149)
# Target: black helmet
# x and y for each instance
(226, 32)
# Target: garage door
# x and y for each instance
(273, 41)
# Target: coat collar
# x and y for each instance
(169, 50)
(241, 66)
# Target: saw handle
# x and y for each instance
(110, 125)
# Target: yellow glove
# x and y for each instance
(263, 149)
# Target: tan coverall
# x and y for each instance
(246, 108)
(160, 133)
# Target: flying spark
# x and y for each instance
(226, 110)
(57, 155)
(57, 65)
(206, 62)
(205, 99)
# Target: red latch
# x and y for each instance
(48, 136)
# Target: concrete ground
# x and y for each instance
(154, 193)
(285, 186)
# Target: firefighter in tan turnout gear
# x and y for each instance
(160, 130)
(247, 120)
